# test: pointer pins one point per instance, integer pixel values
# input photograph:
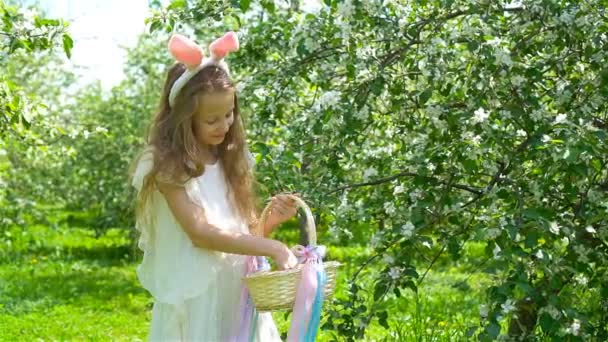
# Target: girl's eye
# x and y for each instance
(216, 120)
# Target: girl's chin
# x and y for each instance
(215, 141)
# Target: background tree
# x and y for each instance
(437, 123)
(416, 126)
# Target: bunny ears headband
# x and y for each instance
(191, 55)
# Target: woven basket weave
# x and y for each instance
(276, 290)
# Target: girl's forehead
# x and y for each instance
(216, 103)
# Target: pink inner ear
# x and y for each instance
(185, 50)
(221, 46)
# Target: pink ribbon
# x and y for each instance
(306, 291)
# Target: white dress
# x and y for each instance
(196, 291)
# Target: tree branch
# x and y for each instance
(403, 174)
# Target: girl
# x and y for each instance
(195, 203)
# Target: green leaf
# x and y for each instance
(177, 4)
(469, 165)
(377, 86)
(537, 213)
(156, 25)
(68, 43)
(380, 289)
(531, 239)
(261, 148)
(269, 5)
(547, 323)
(411, 285)
(383, 319)
(244, 5)
(425, 96)
(493, 330)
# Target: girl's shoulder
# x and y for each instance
(143, 165)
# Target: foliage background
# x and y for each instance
(428, 136)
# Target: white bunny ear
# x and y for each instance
(222, 46)
(185, 51)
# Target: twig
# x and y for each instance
(403, 174)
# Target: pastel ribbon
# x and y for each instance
(309, 294)
(309, 297)
(248, 315)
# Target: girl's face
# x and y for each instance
(214, 117)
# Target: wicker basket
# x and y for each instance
(276, 290)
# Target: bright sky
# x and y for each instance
(100, 27)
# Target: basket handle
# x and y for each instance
(311, 228)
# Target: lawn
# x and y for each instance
(66, 284)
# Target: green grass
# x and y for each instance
(66, 284)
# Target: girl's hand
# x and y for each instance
(284, 257)
(282, 209)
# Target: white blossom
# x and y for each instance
(581, 279)
(398, 189)
(480, 115)
(408, 229)
(369, 172)
(395, 273)
(389, 259)
(100, 129)
(416, 194)
(539, 254)
(363, 113)
(345, 9)
(502, 57)
(574, 328)
(517, 80)
(260, 92)
(476, 140)
(590, 229)
(311, 44)
(438, 42)
(560, 118)
(536, 115)
(554, 228)
(376, 239)
(327, 100)
(389, 208)
(492, 233)
(496, 251)
(508, 306)
(551, 310)
(483, 311)
(566, 18)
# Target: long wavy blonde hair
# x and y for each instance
(177, 153)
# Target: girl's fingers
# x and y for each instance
(286, 200)
(284, 209)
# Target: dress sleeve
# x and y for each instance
(144, 221)
(144, 166)
(193, 191)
